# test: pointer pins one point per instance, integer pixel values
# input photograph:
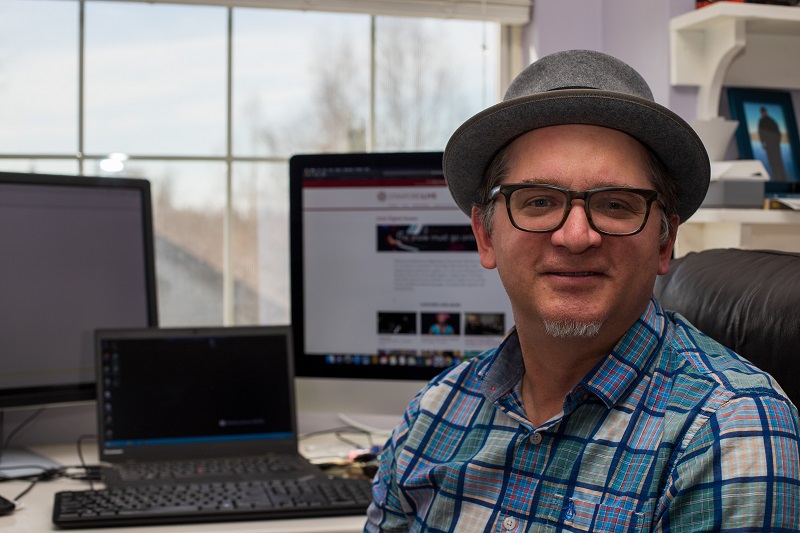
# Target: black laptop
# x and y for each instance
(198, 425)
(212, 404)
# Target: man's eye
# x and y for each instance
(613, 206)
(541, 202)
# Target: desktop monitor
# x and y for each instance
(387, 289)
(77, 254)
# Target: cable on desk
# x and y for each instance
(26, 491)
(90, 475)
(352, 422)
(339, 433)
(360, 462)
(7, 441)
(46, 473)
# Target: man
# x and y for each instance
(600, 411)
(769, 133)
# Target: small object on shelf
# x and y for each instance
(782, 202)
(736, 184)
(733, 193)
(784, 195)
(704, 3)
(740, 169)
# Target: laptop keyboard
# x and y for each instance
(209, 468)
(211, 502)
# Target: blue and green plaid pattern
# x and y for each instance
(670, 432)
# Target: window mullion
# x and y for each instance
(228, 315)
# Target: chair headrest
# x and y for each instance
(747, 300)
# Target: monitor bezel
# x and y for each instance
(314, 366)
(142, 450)
(42, 396)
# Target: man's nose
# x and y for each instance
(576, 234)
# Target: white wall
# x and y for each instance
(636, 31)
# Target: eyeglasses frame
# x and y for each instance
(506, 190)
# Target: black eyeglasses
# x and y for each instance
(609, 210)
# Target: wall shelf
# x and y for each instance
(734, 44)
(753, 229)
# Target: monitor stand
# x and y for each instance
(371, 405)
(21, 463)
(370, 423)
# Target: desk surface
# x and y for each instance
(36, 514)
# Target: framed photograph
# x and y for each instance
(767, 131)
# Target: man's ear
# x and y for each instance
(665, 251)
(483, 239)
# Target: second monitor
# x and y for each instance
(386, 279)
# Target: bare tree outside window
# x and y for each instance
(300, 81)
(417, 99)
(340, 101)
(414, 86)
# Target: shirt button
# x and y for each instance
(509, 523)
(536, 438)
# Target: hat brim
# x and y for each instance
(473, 146)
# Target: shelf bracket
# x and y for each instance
(705, 55)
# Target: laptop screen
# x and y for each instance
(180, 393)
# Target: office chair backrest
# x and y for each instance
(748, 300)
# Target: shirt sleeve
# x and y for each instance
(740, 470)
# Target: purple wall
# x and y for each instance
(636, 31)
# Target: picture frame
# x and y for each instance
(779, 151)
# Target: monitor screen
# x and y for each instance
(386, 279)
(77, 256)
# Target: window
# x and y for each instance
(39, 78)
(209, 103)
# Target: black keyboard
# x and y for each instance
(210, 468)
(211, 502)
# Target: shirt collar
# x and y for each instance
(618, 372)
(504, 369)
(610, 380)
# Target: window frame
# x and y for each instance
(510, 52)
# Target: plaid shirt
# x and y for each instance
(670, 432)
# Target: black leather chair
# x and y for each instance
(748, 300)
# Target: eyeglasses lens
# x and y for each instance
(614, 212)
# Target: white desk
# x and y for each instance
(36, 516)
(749, 229)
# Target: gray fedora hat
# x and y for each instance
(578, 87)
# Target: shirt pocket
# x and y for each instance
(614, 514)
